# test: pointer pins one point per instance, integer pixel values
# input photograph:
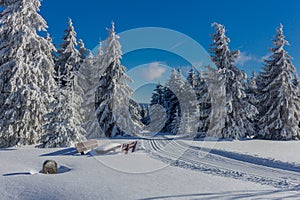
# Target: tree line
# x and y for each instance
(48, 95)
(230, 104)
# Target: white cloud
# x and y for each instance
(154, 70)
(244, 58)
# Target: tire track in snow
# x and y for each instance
(181, 155)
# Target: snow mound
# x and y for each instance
(108, 148)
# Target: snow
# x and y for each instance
(135, 175)
(108, 148)
(164, 167)
(278, 150)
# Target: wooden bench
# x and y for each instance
(81, 147)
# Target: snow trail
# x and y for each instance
(262, 171)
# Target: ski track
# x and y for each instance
(227, 164)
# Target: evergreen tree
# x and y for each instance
(135, 110)
(54, 50)
(156, 121)
(63, 125)
(189, 107)
(181, 105)
(217, 91)
(158, 95)
(84, 53)
(89, 75)
(69, 58)
(239, 112)
(192, 78)
(174, 87)
(200, 87)
(251, 89)
(279, 94)
(26, 73)
(158, 116)
(175, 124)
(252, 96)
(204, 101)
(145, 118)
(113, 94)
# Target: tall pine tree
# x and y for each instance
(239, 112)
(279, 94)
(69, 58)
(173, 89)
(26, 73)
(89, 74)
(157, 112)
(64, 123)
(189, 107)
(251, 89)
(145, 118)
(113, 94)
(158, 95)
(198, 83)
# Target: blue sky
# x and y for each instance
(250, 25)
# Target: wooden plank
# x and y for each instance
(127, 147)
(133, 146)
(87, 145)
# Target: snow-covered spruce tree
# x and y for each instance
(217, 91)
(192, 77)
(145, 118)
(251, 89)
(181, 105)
(113, 93)
(173, 88)
(175, 124)
(158, 116)
(64, 122)
(63, 125)
(84, 53)
(252, 96)
(135, 110)
(69, 58)
(279, 94)
(239, 112)
(89, 75)
(189, 107)
(158, 95)
(198, 83)
(157, 113)
(90, 72)
(54, 50)
(26, 73)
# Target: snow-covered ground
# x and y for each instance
(164, 170)
(278, 150)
